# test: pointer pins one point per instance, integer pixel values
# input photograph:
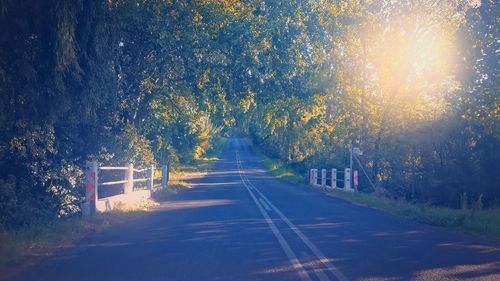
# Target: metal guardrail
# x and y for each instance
(320, 178)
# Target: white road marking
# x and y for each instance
(264, 204)
(284, 245)
(334, 270)
(340, 276)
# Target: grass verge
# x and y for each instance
(24, 246)
(196, 169)
(279, 169)
(282, 171)
(485, 223)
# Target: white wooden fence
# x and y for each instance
(129, 197)
(338, 179)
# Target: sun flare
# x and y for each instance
(429, 54)
(412, 55)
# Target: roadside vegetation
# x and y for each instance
(28, 244)
(278, 168)
(196, 168)
(281, 171)
(472, 218)
(22, 245)
(200, 165)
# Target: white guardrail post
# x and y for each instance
(129, 176)
(164, 176)
(334, 178)
(91, 174)
(151, 177)
(323, 177)
(315, 179)
(347, 180)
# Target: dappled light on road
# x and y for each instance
(189, 204)
(216, 231)
(472, 272)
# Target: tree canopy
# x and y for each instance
(414, 84)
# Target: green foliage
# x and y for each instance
(426, 137)
(156, 81)
(111, 81)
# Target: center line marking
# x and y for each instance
(264, 204)
(329, 266)
(281, 240)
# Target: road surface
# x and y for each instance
(240, 223)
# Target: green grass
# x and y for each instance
(201, 166)
(482, 222)
(25, 245)
(198, 168)
(282, 171)
(216, 148)
(279, 169)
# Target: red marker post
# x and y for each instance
(89, 207)
(355, 179)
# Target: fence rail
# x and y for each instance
(113, 168)
(95, 204)
(140, 170)
(113, 182)
(141, 180)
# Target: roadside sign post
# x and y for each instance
(350, 165)
(354, 150)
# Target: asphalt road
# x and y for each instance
(240, 223)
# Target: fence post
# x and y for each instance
(164, 176)
(89, 206)
(129, 176)
(347, 179)
(334, 178)
(151, 177)
(323, 177)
